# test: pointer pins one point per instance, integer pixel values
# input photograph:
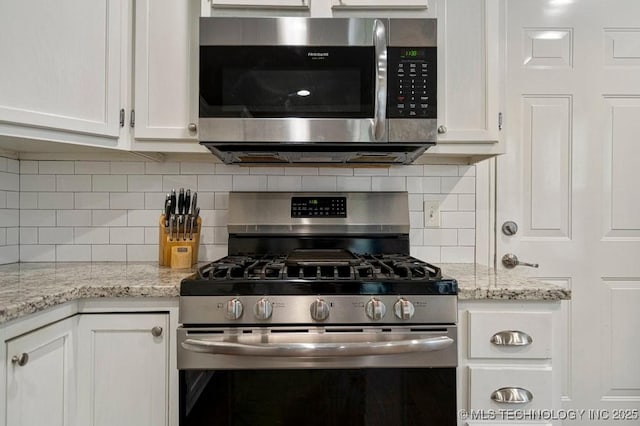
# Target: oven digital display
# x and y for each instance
(413, 53)
(318, 207)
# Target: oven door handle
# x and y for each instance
(378, 126)
(318, 350)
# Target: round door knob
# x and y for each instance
(156, 331)
(403, 309)
(192, 127)
(263, 309)
(375, 309)
(21, 359)
(442, 129)
(233, 309)
(319, 310)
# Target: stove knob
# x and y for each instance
(375, 309)
(263, 309)
(233, 309)
(404, 309)
(319, 310)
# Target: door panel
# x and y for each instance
(569, 179)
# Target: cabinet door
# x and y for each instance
(61, 66)
(386, 4)
(124, 360)
(468, 70)
(280, 4)
(40, 382)
(166, 71)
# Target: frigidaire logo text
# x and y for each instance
(318, 54)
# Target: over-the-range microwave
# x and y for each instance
(317, 90)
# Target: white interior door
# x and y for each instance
(570, 181)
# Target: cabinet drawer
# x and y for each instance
(510, 335)
(535, 384)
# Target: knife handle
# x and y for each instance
(187, 201)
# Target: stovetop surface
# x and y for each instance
(311, 271)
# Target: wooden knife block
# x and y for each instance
(173, 253)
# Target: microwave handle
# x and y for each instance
(378, 127)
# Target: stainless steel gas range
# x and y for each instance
(318, 315)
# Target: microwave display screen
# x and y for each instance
(413, 54)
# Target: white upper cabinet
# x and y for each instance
(383, 4)
(61, 70)
(293, 4)
(469, 78)
(166, 74)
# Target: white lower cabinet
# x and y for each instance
(40, 376)
(509, 367)
(124, 365)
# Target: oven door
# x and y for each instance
(324, 376)
(292, 80)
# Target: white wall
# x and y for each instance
(109, 210)
(9, 201)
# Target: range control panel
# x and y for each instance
(412, 78)
(318, 207)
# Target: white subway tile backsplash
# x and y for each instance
(215, 183)
(35, 183)
(72, 253)
(55, 168)
(90, 235)
(458, 219)
(109, 217)
(459, 185)
(72, 183)
(179, 181)
(55, 200)
(139, 183)
(73, 218)
(127, 168)
(9, 181)
(109, 210)
(55, 235)
(109, 253)
(284, 183)
(457, 255)
(13, 166)
(37, 253)
(92, 168)
(166, 168)
(109, 183)
(353, 183)
(28, 167)
(248, 183)
(9, 254)
(396, 183)
(319, 183)
(91, 200)
(126, 235)
(143, 217)
(28, 235)
(36, 218)
(197, 168)
(133, 200)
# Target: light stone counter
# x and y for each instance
(26, 288)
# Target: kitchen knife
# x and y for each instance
(181, 201)
(173, 201)
(167, 212)
(171, 219)
(194, 203)
(187, 201)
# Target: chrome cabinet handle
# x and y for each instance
(21, 359)
(318, 349)
(442, 129)
(512, 395)
(380, 102)
(510, 261)
(192, 127)
(156, 331)
(511, 338)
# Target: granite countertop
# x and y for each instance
(26, 288)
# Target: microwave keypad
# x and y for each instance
(411, 92)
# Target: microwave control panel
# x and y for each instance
(411, 82)
(318, 207)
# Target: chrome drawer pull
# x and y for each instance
(512, 396)
(511, 338)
